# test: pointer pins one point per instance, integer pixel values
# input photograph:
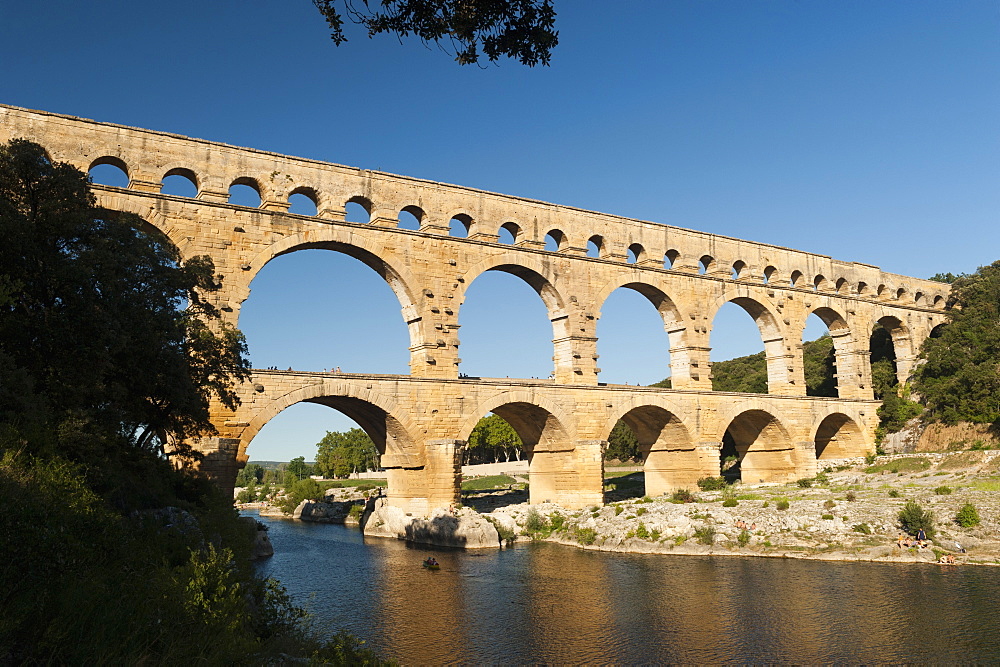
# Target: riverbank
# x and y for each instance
(850, 512)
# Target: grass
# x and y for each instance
(362, 484)
(992, 484)
(487, 483)
(907, 464)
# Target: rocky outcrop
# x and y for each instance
(322, 512)
(465, 529)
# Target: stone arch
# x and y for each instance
(638, 253)
(670, 258)
(364, 202)
(598, 242)
(706, 264)
(843, 347)
(770, 274)
(939, 301)
(841, 286)
(354, 245)
(771, 332)
(820, 283)
(417, 212)
(739, 266)
(546, 431)
(466, 220)
(863, 289)
(113, 161)
(839, 437)
(902, 345)
(250, 182)
(670, 458)
(561, 240)
(794, 278)
(515, 230)
(673, 322)
(153, 219)
(763, 447)
(309, 193)
(186, 173)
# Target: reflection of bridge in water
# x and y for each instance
(421, 420)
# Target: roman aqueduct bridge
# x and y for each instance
(420, 421)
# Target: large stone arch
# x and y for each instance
(670, 456)
(540, 277)
(352, 244)
(903, 344)
(838, 436)
(379, 415)
(780, 373)
(763, 445)
(850, 376)
(554, 470)
(670, 314)
(155, 220)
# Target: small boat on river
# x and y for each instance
(431, 564)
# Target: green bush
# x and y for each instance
(914, 518)
(968, 516)
(782, 504)
(893, 493)
(743, 538)
(851, 496)
(712, 483)
(640, 511)
(356, 512)
(585, 536)
(641, 532)
(943, 490)
(829, 505)
(827, 517)
(862, 528)
(683, 496)
(805, 483)
(535, 523)
(619, 509)
(730, 502)
(556, 522)
(705, 534)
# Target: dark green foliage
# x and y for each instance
(782, 504)
(622, 444)
(743, 538)
(893, 493)
(943, 490)
(303, 489)
(712, 483)
(705, 534)
(913, 518)
(683, 496)
(520, 29)
(805, 483)
(960, 377)
(93, 341)
(493, 440)
(851, 496)
(730, 502)
(827, 517)
(947, 277)
(968, 516)
(341, 453)
(488, 482)
(251, 472)
(862, 528)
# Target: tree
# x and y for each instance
(520, 29)
(341, 453)
(622, 443)
(298, 468)
(251, 472)
(959, 378)
(102, 325)
(492, 438)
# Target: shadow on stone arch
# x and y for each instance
(756, 448)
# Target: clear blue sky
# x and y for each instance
(868, 131)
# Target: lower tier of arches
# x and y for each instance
(420, 427)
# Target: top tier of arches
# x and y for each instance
(312, 188)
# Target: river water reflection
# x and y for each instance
(546, 603)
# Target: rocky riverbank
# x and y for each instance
(849, 512)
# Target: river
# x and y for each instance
(546, 603)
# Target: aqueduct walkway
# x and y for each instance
(421, 420)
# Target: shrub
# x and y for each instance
(556, 522)
(619, 509)
(851, 496)
(640, 511)
(805, 483)
(506, 534)
(893, 493)
(870, 458)
(968, 516)
(943, 490)
(743, 538)
(705, 534)
(766, 503)
(680, 539)
(654, 535)
(822, 478)
(782, 504)
(829, 505)
(683, 496)
(712, 483)
(827, 517)
(535, 522)
(913, 518)
(356, 511)
(585, 536)
(641, 532)
(862, 528)
(730, 502)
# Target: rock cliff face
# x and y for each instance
(465, 529)
(328, 512)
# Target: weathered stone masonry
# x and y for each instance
(421, 420)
